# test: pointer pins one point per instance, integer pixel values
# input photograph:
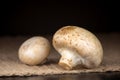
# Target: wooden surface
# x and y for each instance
(11, 66)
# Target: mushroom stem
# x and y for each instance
(69, 59)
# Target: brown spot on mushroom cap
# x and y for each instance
(66, 30)
(80, 40)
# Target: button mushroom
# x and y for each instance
(77, 47)
(34, 50)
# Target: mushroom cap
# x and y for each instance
(80, 41)
(34, 50)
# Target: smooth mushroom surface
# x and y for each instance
(34, 50)
(77, 47)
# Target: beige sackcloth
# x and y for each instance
(10, 65)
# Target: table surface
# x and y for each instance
(82, 76)
(8, 52)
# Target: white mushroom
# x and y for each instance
(34, 50)
(77, 47)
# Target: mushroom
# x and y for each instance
(34, 50)
(77, 47)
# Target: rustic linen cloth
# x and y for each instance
(11, 66)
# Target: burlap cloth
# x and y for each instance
(11, 66)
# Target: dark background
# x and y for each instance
(45, 17)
